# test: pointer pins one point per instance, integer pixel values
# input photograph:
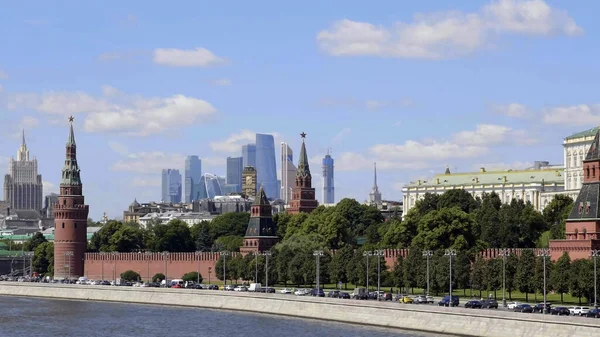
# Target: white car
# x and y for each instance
(578, 310)
(240, 288)
(286, 291)
(300, 292)
(512, 305)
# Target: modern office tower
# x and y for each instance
(171, 186)
(23, 188)
(234, 174)
(193, 172)
(303, 194)
(288, 173)
(328, 189)
(249, 181)
(212, 186)
(266, 167)
(249, 155)
(375, 195)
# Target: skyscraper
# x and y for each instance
(303, 194)
(171, 186)
(288, 172)
(249, 155)
(234, 173)
(193, 172)
(249, 181)
(375, 196)
(71, 214)
(328, 189)
(23, 187)
(266, 167)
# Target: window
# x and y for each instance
(63, 225)
(76, 225)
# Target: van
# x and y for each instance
(256, 287)
(82, 280)
(177, 283)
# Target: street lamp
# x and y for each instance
(256, 255)
(114, 255)
(148, 256)
(450, 253)
(318, 254)
(379, 254)
(166, 255)
(69, 253)
(427, 254)
(102, 254)
(224, 254)
(209, 271)
(544, 253)
(267, 254)
(30, 255)
(504, 253)
(595, 254)
(198, 254)
(367, 255)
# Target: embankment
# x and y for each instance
(453, 321)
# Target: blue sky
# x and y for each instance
(413, 85)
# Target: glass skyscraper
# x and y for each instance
(193, 172)
(288, 173)
(234, 173)
(171, 186)
(249, 155)
(328, 189)
(266, 168)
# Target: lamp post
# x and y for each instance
(209, 271)
(114, 257)
(148, 256)
(379, 254)
(544, 253)
(595, 254)
(30, 254)
(166, 255)
(224, 254)
(102, 255)
(317, 254)
(267, 254)
(198, 254)
(427, 254)
(367, 255)
(450, 253)
(256, 255)
(504, 253)
(69, 253)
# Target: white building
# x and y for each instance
(576, 147)
(190, 218)
(537, 185)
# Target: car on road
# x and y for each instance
(593, 313)
(387, 297)
(301, 292)
(489, 304)
(560, 311)
(286, 291)
(240, 288)
(407, 300)
(333, 294)
(579, 311)
(523, 308)
(345, 295)
(539, 308)
(422, 299)
(512, 305)
(474, 304)
(446, 302)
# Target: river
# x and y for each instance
(33, 317)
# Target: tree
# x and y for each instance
(493, 275)
(478, 276)
(338, 265)
(172, 237)
(462, 268)
(445, 228)
(526, 272)
(555, 214)
(532, 226)
(200, 233)
(36, 240)
(487, 220)
(230, 243)
(559, 278)
(510, 223)
(100, 241)
(458, 198)
(43, 259)
(582, 279)
(192, 276)
(126, 239)
(413, 266)
(539, 274)
(130, 276)
(234, 223)
(512, 261)
(398, 272)
(158, 277)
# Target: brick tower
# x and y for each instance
(261, 233)
(70, 214)
(303, 195)
(583, 224)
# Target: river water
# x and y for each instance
(33, 317)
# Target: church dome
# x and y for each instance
(135, 203)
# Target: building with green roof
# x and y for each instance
(575, 147)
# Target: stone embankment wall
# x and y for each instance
(451, 321)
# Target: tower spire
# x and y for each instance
(375, 195)
(375, 177)
(303, 168)
(70, 172)
(23, 153)
(71, 140)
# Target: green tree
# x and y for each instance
(487, 220)
(127, 239)
(462, 268)
(230, 243)
(441, 277)
(284, 258)
(555, 214)
(36, 240)
(582, 279)
(539, 274)
(458, 198)
(100, 241)
(234, 223)
(478, 275)
(532, 226)
(446, 228)
(192, 276)
(200, 233)
(43, 259)
(398, 272)
(559, 277)
(172, 237)
(512, 262)
(413, 266)
(493, 275)
(510, 223)
(339, 264)
(158, 277)
(525, 279)
(130, 275)
(401, 233)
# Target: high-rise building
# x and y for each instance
(303, 194)
(70, 218)
(171, 186)
(249, 155)
(23, 188)
(266, 167)
(328, 187)
(211, 185)
(288, 173)
(375, 195)
(234, 174)
(193, 172)
(249, 181)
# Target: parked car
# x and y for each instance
(523, 308)
(387, 297)
(512, 305)
(360, 294)
(317, 292)
(213, 287)
(286, 291)
(407, 300)
(560, 311)
(333, 294)
(580, 311)
(421, 299)
(539, 308)
(345, 295)
(593, 313)
(229, 287)
(446, 302)
(240, 288)
(474, 304)
(489, 304)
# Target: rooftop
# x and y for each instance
(583, 134)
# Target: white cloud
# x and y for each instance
(149, 162)
(221, 82)
(118, 148)
(512, 110)
(233, 144)
(446, 34)
(491, 134)
(3, 75)
(199, 57)
(146, 181)
(502, 166)
(29, 122)
(578, 115)
(49, 187)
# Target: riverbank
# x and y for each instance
(453, 321)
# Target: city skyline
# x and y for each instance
(490, 86)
